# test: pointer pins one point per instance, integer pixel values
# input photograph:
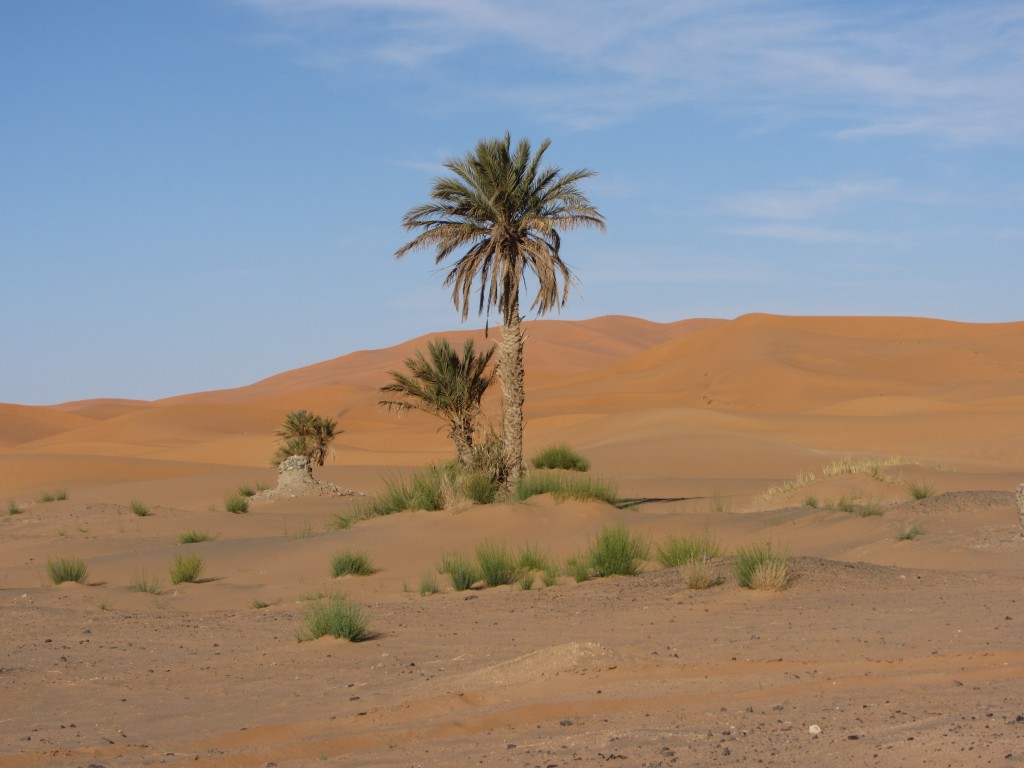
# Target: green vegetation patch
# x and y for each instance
(62, 569)
(186, 568)
(560, 456)
(351, 563)
(335, 616)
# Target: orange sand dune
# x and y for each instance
(896, 642)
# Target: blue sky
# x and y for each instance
(201, 193)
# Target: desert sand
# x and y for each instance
(881, 651)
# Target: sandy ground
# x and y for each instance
(882, 651)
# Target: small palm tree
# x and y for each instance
(503, 212)
(447, 386)
(305, 434)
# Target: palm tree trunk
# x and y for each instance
(462, 435)
(511, 375)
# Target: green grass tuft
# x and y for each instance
(246, 491)
(565, 486)
(429, 585)
(479, 487)
(354, 563)
(139, 509)
(560, 456)
(61, 569)
(912, 532)
(526, 581)
(759, 567)
(334, 615)
(186, 568)
(48, 496)
(236, 504)
(549, 577)
(531, 558)
(496, 565)
(617, 552)
(578, 566)
(702, 574)
(144, 583)
(193, 537)
(870, 510)
(920, 491)
(682, 550)
(461, 569)
(811, 501)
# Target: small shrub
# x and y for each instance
(911, 532)
(682, 550)
(560, 456)
(246, 491)
(531, 558)
(920, 491)
(236, 504)
(870, 510)
(701, 574)
(757, 566)
(720, 505)
(617, 551)
(479, 487)
(355, 563)
(13, 508)
(578, 567)
(526, 581)
(811, 501)
(342, 522)
(843, 505)
(259, 604)
(193, 537)
(428, 585)
(61, 569)
(550, 576)
(316, 594)
(144, 583)
(462, 571)
(139, 509)
(563, 486)
(336, 616)
(186, 568)
(497, 566)
(48, 496)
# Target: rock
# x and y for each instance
(295, 478)
(814, 730)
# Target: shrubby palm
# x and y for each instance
(305, 434)
(445, 385)
(502, 211)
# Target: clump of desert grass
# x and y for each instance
(920, 490)
(872, 466)
(186, 569)
(236, 504)
(911, 532)
(428, 584)
(351, 563)
(193, 537)
(13, 508)
(335, 616)
(138, 508)
(760, 567)
(64, 569)
(47, 496)
(564, 486)
(460, 569)
(560, 456)
(677, 551)
(143, 582)
(617, 551)
(702, 574)
(496, 564)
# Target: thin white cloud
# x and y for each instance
(807, 201)
(951, 70)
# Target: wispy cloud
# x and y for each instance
(950, 70)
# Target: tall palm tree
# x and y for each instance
(447, 386)
(502, 212)
(305, 434)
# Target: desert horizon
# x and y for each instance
(879, 454)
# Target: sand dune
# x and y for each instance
(901, 650)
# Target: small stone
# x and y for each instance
(853, 737)
(814, 730)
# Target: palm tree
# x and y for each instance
(503, 213)
(447, 386)
(305, 434)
